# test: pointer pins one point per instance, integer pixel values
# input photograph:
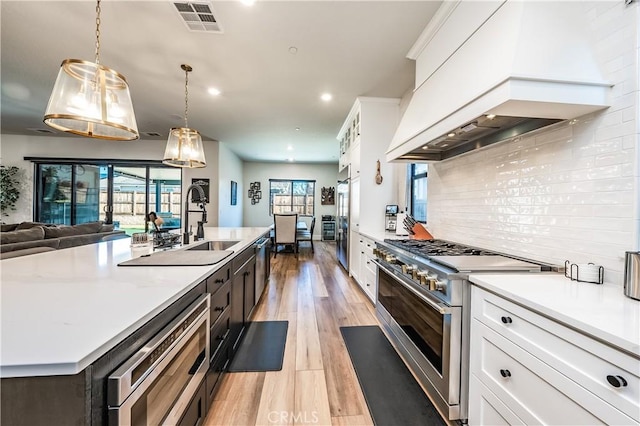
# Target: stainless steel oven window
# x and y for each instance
(160, 397)
(423, 325)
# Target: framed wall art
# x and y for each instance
(254, 192)
(234, 193)
(328, 196)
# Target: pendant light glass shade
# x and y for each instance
(91, 100)
(184, 146)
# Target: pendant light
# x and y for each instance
(91, 100)
(184, 146)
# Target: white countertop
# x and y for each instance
(602, 311)
(382, 235)
(62, 310)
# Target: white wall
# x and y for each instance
(229, 169)
(14, 148)
(325, 175)
(567, 193)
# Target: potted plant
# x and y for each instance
(9, 188)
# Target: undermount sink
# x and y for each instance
(213, 245)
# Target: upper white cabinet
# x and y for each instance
(364, 138)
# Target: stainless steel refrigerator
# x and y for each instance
(342, 237)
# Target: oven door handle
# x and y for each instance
(442, 308)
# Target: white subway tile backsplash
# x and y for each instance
(570, 191)
(552, 197)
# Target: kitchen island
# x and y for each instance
(65, 311)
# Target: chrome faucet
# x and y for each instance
(200, 231)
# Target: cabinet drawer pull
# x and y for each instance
(505, 373)
(616, 381)
(506, 320)
(218, 281)
(219, 308)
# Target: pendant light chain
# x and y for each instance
(98, 32)
(186, 97)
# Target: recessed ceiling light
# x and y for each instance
(491, 116)
(289, 148)
(214, 91)
(293, 50)
(297, 128)
(248, 2)
(326, 97)
(451, 134)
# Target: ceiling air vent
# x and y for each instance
(198, 16)
(152, 134)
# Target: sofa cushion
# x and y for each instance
(52, 242)
(68, 231)
(6, 227)
(22, 235)
(29, 225)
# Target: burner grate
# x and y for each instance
(430, 248)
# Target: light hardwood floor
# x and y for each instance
(317, 384)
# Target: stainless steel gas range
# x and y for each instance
(423, 305)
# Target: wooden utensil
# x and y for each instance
(378, 175)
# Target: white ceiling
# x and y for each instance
(347, 48)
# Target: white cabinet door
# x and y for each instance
(487, 409)
(354, 157)
(355, 256)
(354, 214)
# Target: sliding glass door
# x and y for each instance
(118, 193)
(54, 190)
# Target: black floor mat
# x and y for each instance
(262, 347)
(392, 394)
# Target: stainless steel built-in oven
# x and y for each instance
(424, 296)
(155, 386)
(428, 330)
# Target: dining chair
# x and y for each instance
(284, 231)
(307, 235)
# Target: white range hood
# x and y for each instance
(528, 63)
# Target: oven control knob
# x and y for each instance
(414, 272)
(423, 275)
(436, 285)
(429, 280)
(391, 259)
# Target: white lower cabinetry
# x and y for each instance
(362, 268)
(368, 268)
(529, 369)
(487, 409)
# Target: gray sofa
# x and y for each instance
(33, 237)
